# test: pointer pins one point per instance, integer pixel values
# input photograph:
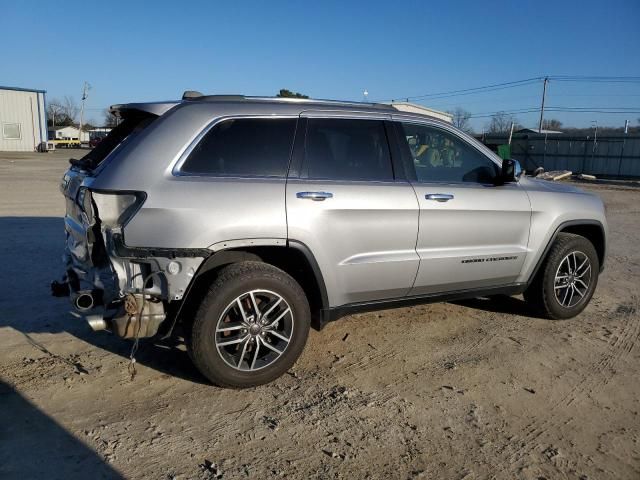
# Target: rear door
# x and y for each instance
(354, 211)
(473, 234)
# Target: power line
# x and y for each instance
(597, 108)
(555, 94)
(594, 79)
(506, 112)
(517, 83)
(470, 91)
(595, 111)
(612, 110)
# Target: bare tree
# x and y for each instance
(461, 119)
(62, 113)
(551, 124)
(109, 119)
(55, 117)
(501, 123)
(70, 108)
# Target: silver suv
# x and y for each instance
(246, 220)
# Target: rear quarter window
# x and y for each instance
(244, 147)
(125, 131)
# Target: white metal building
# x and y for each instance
(23, 119)
(67, 133)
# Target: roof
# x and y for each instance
(20, 89)
(161, 107)
(280, 105)
(62, 128)
(191, 95)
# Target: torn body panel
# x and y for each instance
(102, 272)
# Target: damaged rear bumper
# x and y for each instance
(112, 286)
(129, 295)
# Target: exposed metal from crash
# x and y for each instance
(113, 286)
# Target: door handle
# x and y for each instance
(439, 197)
(315, 196)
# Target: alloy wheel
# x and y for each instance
(573, 278)
(254, 330)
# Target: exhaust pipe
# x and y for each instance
(84, 302)
(96, 322)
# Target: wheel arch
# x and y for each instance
(592, 230)
(294, 258)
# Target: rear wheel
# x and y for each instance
(567, 278)
(251, 327)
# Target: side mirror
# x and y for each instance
(511, 171)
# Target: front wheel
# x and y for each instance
(567, 278)
(251, 326)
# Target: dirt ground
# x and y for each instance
(477, 389)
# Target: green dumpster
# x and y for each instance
(504, 151)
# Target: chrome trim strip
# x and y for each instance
(345, 114)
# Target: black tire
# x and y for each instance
(231, 283)
(541, 294)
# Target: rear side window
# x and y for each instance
(344, 149)
(132, 124)
(244, 147)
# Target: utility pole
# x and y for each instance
(544, 94)
(86, 87)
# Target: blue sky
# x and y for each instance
(135, 51)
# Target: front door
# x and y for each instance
(345, 203)
(473, 233)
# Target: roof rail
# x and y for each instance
(322, 102)
(197, 96)
(188, 94)
(194, 95)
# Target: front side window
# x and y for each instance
(244, 147)
(345, 149)
(439, 156)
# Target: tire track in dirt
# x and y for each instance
(620, 346)
(597, 375)
(378, 358)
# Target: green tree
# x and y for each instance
(284, 93)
